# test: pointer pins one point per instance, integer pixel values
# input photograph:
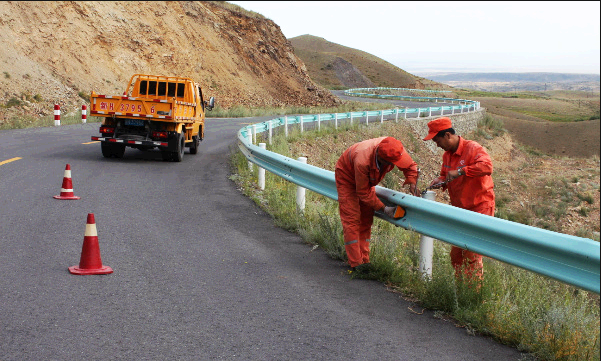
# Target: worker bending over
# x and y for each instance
(360, 168)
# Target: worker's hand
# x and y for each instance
(436, 183)
(389, 211)
(452, 174)
(414, 190)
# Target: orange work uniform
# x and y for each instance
(357, 173)
(472, 191)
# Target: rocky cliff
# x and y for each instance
(60, 51)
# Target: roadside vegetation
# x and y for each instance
(554, 106)
(545, 318)
(244, 112)
(28, 121)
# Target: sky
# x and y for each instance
(424, 37)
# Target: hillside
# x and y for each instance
(61, 51)
(335, 66)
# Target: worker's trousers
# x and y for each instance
(357, 219)
(467, 262)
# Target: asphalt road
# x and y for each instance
(200, 272)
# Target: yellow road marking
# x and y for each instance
(10, 160)
(96, 141)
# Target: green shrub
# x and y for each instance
(13, 102)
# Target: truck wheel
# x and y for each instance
(178, 156)
(195, 144)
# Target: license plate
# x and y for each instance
(135, 122)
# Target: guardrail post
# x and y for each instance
(84, 113)
(351, 116)
(270, 131)
(300, 117)
(381, 116)
(254, 140)
(261, 174)
(452, 109)
(405, 113)
(396, 114)
(430, 109)
(300, 191)
(57, 115)
(366, 117)
(318, 122)
(418, 111)
(286, 126)
(250, 140)
(426, 246)
(336, 120)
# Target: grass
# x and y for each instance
(468, 94)
(22, 122)
(238, 111)
(550, 108)
(535, 314)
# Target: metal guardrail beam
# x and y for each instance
(569, 259)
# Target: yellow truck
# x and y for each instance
(163, 112)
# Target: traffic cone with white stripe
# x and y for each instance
(67, 188)
(90, 262)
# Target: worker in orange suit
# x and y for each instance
(466, 174)
(360, 168)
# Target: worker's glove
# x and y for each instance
(389, 211)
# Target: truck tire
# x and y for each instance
(178, 155)
(195, 144)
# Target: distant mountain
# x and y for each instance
(505, 82)
(336, 67)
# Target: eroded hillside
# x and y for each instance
(61, 51)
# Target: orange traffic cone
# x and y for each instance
(67, 189)
(90, 262)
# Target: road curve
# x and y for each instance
(200, 272)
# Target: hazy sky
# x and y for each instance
(425, 36)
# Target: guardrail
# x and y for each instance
(365, 92)
(569, 259)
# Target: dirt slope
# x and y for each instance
(56, 50)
